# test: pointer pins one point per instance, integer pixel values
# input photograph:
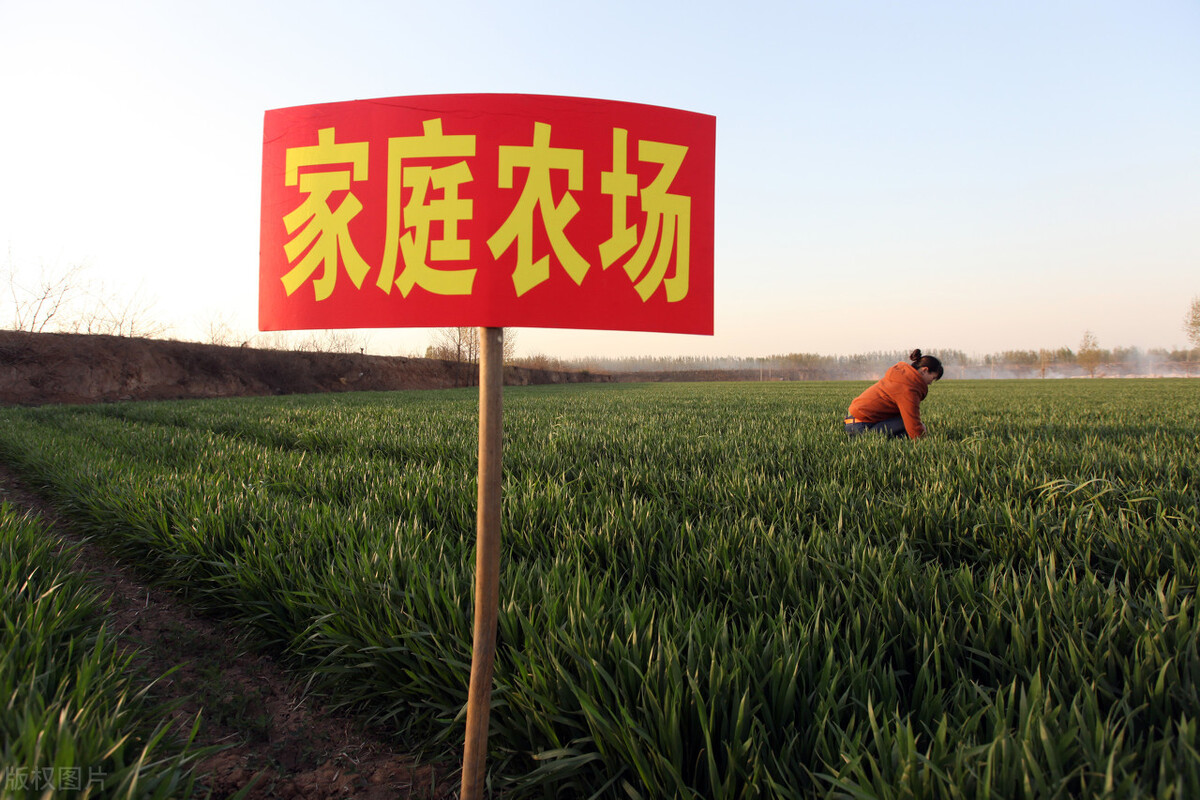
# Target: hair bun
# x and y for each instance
(915, 355)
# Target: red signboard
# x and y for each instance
(489, 210)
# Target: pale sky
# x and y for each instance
(890, 175)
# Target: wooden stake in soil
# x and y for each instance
(487, 561)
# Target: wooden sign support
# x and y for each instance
(487, 561)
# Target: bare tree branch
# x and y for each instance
(1191, 323)
(1089, 353)
(36, 304)
(117, 315)
(334, 340)
(461, 345)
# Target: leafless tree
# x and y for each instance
(543, 361)
(119, 315)
(222, 332)
(270, 340)
(510, 345)
(65, 300)
(333, 340)
(461, 345)
(38, 303)
(1044, 359)
(1089, 353)
(1191, 327)
(1191, 323)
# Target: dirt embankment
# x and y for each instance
(706, 375)
(37, 368)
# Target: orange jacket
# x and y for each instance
(898, 393)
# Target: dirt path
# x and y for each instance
(275, 735)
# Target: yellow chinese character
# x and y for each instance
(420, 211)
(323, 228)
(669, 213)
(621, 185)
(537, 193)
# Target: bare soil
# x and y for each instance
(40, 368)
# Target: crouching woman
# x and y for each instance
(893, 404)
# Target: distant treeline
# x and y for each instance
(1060, 363)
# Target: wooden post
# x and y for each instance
(487, 561)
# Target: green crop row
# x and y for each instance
(707, 590)
(74, 722)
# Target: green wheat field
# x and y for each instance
(707, 590)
